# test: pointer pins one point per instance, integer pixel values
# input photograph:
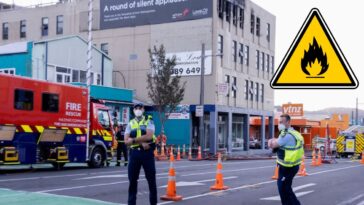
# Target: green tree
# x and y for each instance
(165, 90)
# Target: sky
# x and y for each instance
(343, 19)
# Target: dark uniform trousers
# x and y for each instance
(122, 148)
(285, 178)
(139, 158)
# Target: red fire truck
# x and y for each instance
(43, 122)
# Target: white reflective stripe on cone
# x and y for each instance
(172, 178)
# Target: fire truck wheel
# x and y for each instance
(58, 166)
(97, 158)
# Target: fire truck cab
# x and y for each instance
(43, 122)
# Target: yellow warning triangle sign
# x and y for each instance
(314, 60)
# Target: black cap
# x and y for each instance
(138, 105)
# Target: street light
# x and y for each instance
(202, 93)
(116, 71)
(357, 111)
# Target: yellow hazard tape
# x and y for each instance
(108, 138)
(78, 131)
(39, 128)
(26, 128)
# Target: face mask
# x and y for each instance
(138, 113)
(281, 127)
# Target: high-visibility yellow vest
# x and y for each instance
(150, 118)
(289, 156)
(140, 128)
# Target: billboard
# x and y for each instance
(128, 13)
(189, 63)
(293, 109)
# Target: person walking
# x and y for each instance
(121, 148)
(139, 136)
(289, 148)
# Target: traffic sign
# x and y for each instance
(314, 60)
(223, 89)
(199, 111)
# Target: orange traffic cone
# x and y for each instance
(178, 154)
(319, 159)
(219, 184)
(275, 176)
(170, 153)
(302, 171)
(190, 153)
(155, 152)
(171, 192)
(162, 156)
(199, 156)
(313, 163)
(184, 151)
(162, 151)
(362, 158)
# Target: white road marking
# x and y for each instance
(123, 171)
(350, 201)
(91, 185)
(185, 166)
(277, 198)
(197, 183)
(44, 177)
(22, 193)
(115, 176)
(226, 171)
(104, 176)
(182, 183)
(303, 186)
(253, 185)
(211, 180)
(361, 203)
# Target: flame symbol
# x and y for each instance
(314, 53)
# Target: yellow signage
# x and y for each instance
(314, 61)
(350, 145)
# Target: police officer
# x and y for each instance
(139, 135)
(289, 148)
(121, 146)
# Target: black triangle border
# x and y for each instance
(354, 81)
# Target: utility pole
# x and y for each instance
(89, 67)
(202, 90)
(357, 112)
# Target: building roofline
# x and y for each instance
(68, 37)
